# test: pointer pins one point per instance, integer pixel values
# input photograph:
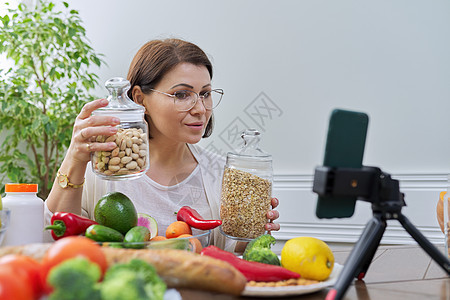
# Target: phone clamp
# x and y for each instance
(372, 185)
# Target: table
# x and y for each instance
(396, 272)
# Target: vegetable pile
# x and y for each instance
(68, 224)
(131, 229)
(75, 268)
(116, 220)
(78, 278)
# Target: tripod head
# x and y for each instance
(368, 184)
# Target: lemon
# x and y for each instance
(308, 256)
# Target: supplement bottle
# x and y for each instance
(27, 214)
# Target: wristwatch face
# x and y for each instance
(63, 181)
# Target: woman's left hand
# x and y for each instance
(272, 215)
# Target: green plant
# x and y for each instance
(41, 95)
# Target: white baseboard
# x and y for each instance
(298, 202)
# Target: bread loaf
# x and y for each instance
(35, 251)
(179, 269)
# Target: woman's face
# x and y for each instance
(165, 120)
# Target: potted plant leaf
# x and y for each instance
(41, 95)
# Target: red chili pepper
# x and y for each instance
(193, 219)
(67, 224)
(252, 270)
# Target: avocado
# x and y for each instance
(117, 211)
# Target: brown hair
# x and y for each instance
(158, 57)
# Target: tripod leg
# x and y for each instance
(371, 252)
(424, 243)
(358, 259)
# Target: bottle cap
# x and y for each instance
(21, 188)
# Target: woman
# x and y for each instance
(162, 74)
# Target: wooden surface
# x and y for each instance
(396, 272)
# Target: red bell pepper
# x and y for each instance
(253, 271)
(192, 218)
(67, 224)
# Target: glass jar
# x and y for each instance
(246, 190)
(130, 158)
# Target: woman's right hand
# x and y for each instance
(86, 128)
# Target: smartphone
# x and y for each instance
(344, 147)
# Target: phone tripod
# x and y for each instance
(372, 185)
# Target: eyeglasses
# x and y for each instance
(185, 100)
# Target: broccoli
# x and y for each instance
(259, 250)
(132, 281)
(75, 279)
(127, 285)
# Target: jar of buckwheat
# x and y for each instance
(246, 190)
(130, 158)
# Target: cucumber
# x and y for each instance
(178, 244)
(136, 236)
(100, 233)
(114, 245)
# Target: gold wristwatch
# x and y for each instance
(63, 181)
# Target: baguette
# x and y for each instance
(178, 268)
(181, 269)
(35, 251)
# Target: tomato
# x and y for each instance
(30, 268)
(12, 285)
(69, 247)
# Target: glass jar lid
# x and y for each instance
(251, 148)
(120, 105)
(250, 157)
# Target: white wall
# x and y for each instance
(388, 58)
